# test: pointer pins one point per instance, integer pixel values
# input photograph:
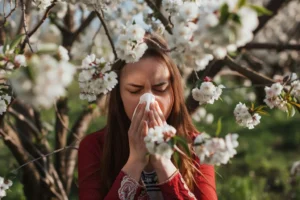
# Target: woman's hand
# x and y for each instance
(162, 165)
(137, 131)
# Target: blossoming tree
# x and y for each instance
(44, 44)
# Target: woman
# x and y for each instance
(113, 163)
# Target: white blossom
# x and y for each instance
(157, 138)
(215, 151)
(95, 78)
(164, 149)
(4, 185)
(244, 118)
(130, 45)
(207, 93)
(296, 88)
(20, 61)
(48, 84)
(63, 53)
(273, 98)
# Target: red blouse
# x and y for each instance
(124, 187)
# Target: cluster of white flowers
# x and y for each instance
(130, 45)
(157, 140)
(45, 79)
(4, 101)
(215, 151)
(10, 60)
(208, 92)
(244, 118)
(273, 98)
(4, 185)
(95, 78)
(201, 34)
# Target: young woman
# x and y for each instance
(113, 163)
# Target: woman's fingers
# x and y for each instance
(140, 130)
(160, 113)
(152, 119)
(156, 117)
(136, 120)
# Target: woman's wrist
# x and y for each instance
(134, 167)
(164, 168)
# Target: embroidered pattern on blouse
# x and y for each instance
(186, 187)
(128, 188)
(143, 195)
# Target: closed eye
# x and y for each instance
(136, 92)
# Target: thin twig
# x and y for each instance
(49, 154)
(22, 118)
(26, 40)
(100, 16)
(9, 14)
(160, 16)
(60, 118)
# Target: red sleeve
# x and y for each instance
(204, 188)
(176, 188)
(89, 162)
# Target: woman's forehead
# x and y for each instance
(147, 68)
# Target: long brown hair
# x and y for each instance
(116, 146)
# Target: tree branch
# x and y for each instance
(212, 69)
(9, 14)
(160, 16)
(272, 46)
(78, 130)
(61, 131)
(84, 25)
(100, 16)
(250, 74)
(43, 19)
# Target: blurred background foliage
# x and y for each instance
(260, 170)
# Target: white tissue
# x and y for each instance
(147, 97)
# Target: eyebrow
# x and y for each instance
(156, 85)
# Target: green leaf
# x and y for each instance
(260, 10)
(219, 127)
(252, 106)
(182, 142)
(262, 112)
(224, 10)
(260, 107)
(17, 41)
(5, 46)
(30, 73)
(198, 83)
(177, 159)
(290, 109)
(241, 3)
(236, 18)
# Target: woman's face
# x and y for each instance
(149, 75)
